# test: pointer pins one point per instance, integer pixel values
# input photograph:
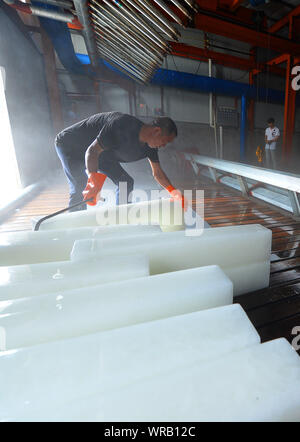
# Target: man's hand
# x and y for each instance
(177, 196)
(93, 187)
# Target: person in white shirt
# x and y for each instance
(272, 135)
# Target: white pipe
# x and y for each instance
(211, 113)
(221, 142)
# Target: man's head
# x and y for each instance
(160, 132)
(271, 122)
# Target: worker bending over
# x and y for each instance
(93, 149)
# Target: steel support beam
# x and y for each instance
(289, 111)
(290, 103)
(243, 185)
(213, 174)
(237, 32)
(273, 64)
(285, 20)
(243, 129)
(251, 107)
(294, 203)
(231, 61)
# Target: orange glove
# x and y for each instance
(93, 187)
(177, 196)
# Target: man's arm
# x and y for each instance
(95, 180)
(266, 138)
(162, 179)
(92, 157)
(159, 175)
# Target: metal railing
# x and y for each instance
(250, 178)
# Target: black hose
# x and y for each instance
(37, 226)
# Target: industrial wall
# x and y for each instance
(189, 109)
(27, 100)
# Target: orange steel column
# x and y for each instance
(251, 107)
(290, 104)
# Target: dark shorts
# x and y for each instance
(74, 168)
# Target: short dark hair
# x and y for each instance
(166, 124)
(271, 121)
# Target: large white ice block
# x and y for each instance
(243, 252)
(168, 214)
(36, 379)
(31, 280)
(55, 245)
(72, 313)
(260, 383)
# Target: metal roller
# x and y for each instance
(159, 16)
(123, 52)
(192, 5)
(129, 29)
(146, 66)
(112, 57)
(133, 34)
(169, 12)
(182, 9)
(127, 11)
(135, 48)
(150, 17)
(134, 23)
(127, 32)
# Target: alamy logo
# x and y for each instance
(154, 208)
(296, 79)
(296, 340)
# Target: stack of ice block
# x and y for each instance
(138, 325)
(243, 252)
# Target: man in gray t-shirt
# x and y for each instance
(98, 144)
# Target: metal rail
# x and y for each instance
(250, 177)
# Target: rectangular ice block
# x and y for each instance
(35, 380)
(243, 252)
(168, 214)
(78, 312)
(259, 383)
(31, 280)
(56, 245)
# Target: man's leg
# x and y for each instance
(117, 174)
(273, 157)
(75, 172)
(268, 162)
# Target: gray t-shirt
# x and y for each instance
(115, 132)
